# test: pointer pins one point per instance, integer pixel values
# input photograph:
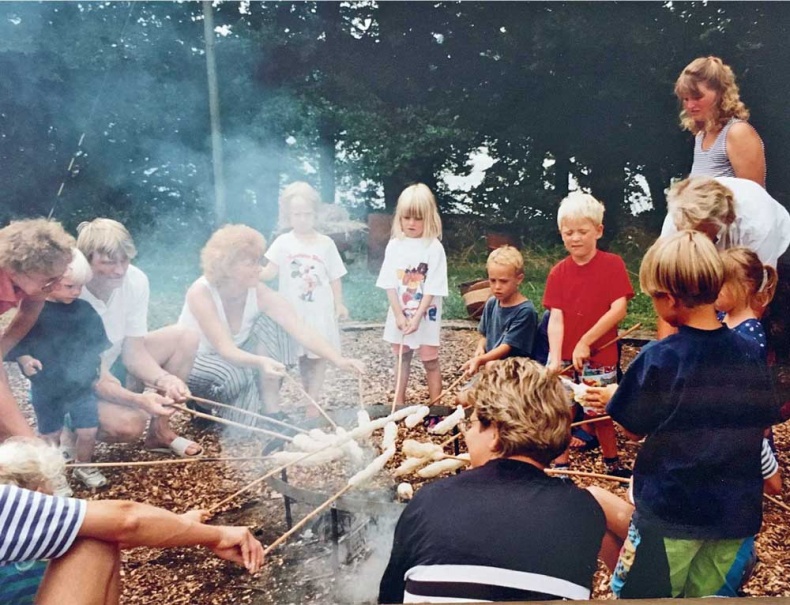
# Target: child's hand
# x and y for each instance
(553, 366)
(412, 325)
(581, 353)
(401, 321)
(472, 366)
(598, 397)
(341, 312)
(30, 366)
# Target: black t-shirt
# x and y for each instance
(703, 398)
(67, 339)
(504, 531)
(514, 326)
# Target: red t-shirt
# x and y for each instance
(9, 295)
(584, 293)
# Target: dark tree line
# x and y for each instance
(367, 97)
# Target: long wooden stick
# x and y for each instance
(778, 502)
(263, 417)
(327, 503)
(312, 401)
(165, 462)
(219, 420)
(594, 419)
(630, 330)
(453, 384)
(398, 369)
(565, 471)
(218, 404)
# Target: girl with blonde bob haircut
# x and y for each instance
(527, 405)
(417, 201)
(298, 190)
(686, 266)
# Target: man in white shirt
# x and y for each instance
(163, 359)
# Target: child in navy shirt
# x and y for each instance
(702, 397)
(61, 357)
(507, 327)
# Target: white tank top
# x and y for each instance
(249, 316)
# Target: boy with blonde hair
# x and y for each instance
(702, 397)
(587, 294)
(507, 326)
(61, 357)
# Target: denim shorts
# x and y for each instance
(83, 408)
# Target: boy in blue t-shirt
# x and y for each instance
(702, 397)
(507, 327)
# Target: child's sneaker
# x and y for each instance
(61, 488)
(91, 477)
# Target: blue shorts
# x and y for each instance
(83, 409)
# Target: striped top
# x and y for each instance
(36, 526)
(713, 161)
(768, 463)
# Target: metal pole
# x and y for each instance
(213, 104)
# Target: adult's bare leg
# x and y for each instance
(88, 574)
(618, 514)
(120, 424)
(174, 349)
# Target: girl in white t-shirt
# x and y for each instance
(414, 274)
(310, 269)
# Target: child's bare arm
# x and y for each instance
(478, 361)
(414, 321)
(29, 365)
(610, 319)
(556, 330)
(397, 310)
(341, 312)
(270, 271)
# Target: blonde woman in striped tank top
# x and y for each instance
(725, 143)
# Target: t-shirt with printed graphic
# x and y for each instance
(306, 270)
(415, 267)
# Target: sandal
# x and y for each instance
(587, 442)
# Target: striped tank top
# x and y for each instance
(714, 161)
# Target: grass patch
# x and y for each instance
(170, 277)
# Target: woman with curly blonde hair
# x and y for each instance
(244, 326)
(503, 530)
(725, 144)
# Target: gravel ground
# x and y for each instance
(301, 571)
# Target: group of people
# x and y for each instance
(701, 396)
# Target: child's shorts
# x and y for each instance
(19, 582)
(652, 566)
(82, 408)
(426, 352)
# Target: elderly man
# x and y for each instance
(34, 255)
(504, 530)
(163, 359)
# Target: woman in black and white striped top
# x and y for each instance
(725, 143)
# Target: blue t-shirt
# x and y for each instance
(68, 340)
(703, 398)
(514, 326)
(753, 330)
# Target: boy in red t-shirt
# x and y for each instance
(588, 294)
